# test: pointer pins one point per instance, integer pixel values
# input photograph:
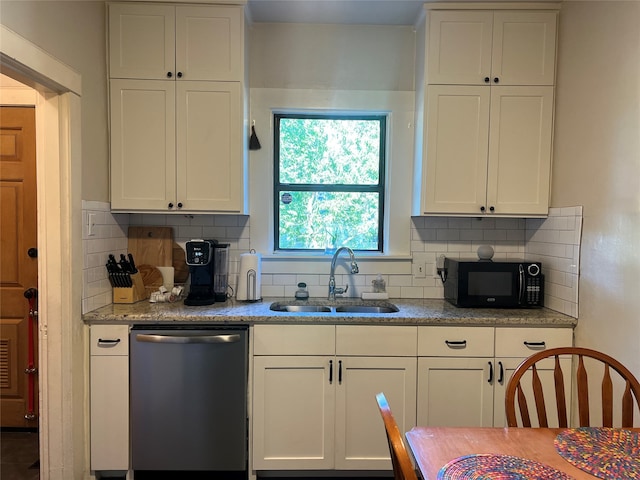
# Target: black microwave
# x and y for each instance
(493, 283)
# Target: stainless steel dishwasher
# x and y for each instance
(188, 400)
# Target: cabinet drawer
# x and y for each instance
(455, 341)
(376, 340)
(294, 340)
(109, 339)
(522, 342)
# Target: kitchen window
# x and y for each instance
(329, 182)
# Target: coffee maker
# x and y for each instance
(208, 263)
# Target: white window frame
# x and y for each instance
(398, 106)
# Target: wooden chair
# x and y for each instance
(514, 389)
(402, 466)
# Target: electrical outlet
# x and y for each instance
(91, 224)
(420, 270)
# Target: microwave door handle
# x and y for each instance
(521, 284)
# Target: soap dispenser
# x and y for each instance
(302, 293)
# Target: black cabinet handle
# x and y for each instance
(179, 204)
(490, 372)
(169, 74)
(170, 205)
(487, 79)
(501, 374)
(496, 80)
(340, 372)
(456, 343)
(179, 74)
(482, 208)
(492, 208)
(330, 371)
(109, 342)
(535, 344)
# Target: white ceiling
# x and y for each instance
(366, 12)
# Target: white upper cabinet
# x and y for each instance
(175, 42)
(178, 107)
(485, 47)
(484, 107)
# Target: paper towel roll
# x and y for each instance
(249, 277)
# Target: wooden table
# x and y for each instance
(433, 447)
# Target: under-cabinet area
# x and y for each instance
(311, 386)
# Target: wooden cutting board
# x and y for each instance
(151, 245)
(151, 277)
(181, 270)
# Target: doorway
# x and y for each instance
(62, 334)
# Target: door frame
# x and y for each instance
(62, 342)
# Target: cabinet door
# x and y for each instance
(459, 47)
(109, 397)
(209, 43)
(361, 443)
(519, 169)
(524, 48)
(141, 41)
(209, 146)
(143, 165)
(293, 413)
(455, 392)
(545, 372)
(455, 173)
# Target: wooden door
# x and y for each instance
(361, 443)
(18, 265)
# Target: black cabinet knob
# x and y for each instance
(179, 204)
(496, 80)
(179, 74)
(169, 74)
(32, 252)
(482, 209)
(487, 79)
(170, 205)
(492, 208)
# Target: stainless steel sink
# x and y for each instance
(336, 309)
(366, 309)
(301, 308)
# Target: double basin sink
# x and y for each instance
(384, 307)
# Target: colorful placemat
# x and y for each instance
(485, 466)
(610, 453)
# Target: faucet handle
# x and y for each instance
(340, 291)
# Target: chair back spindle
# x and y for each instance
(629, 400)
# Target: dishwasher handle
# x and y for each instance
(155, 338)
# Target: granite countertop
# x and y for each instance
(411, 312)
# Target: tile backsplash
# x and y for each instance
(555, 241)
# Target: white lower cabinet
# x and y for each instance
(318, 412)
(109, 402)
(463, 371)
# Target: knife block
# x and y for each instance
(131, 294)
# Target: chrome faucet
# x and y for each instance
(332, 274)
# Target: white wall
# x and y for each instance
(597, 165)
(74, 33)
